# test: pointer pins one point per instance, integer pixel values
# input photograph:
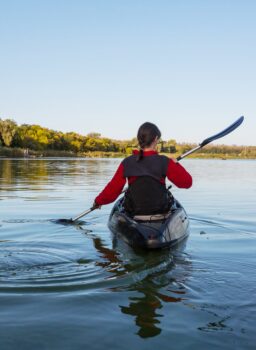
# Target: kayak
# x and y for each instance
(150, 231)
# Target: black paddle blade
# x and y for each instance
(225, 132)
(64, 221)
(67, 222)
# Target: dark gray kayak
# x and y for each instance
(150, 231)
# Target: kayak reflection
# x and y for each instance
(155, 278)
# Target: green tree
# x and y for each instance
(94, 135)
(8, 130)
(172, 146)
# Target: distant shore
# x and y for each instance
(7, 152)
(35, 141)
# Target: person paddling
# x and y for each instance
(145, 172)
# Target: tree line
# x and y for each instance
(38, 138)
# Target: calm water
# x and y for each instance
(76, 287)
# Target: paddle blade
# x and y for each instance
(225, 132)
(67, 222)
(64, 221)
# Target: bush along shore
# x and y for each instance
(9, 152)
(32, 141)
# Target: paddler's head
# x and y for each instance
(148, 137)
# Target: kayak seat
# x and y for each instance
(153, 217)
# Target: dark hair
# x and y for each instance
(146, 135)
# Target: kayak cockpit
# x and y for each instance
(150, 231)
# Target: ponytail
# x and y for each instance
(140, 155)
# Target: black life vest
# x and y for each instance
(146, 195)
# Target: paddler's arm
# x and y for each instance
(178, 175)
(113, 189)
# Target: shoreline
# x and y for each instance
(31, 154)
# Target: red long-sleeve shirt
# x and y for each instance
(175, 173)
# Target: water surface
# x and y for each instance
(78, 287)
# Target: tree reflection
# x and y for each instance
(38, 172)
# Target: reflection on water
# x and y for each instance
(145, 308)
(40, 172)
(152, 272)
(94, 291)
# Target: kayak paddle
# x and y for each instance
(223, 133)
(71, 221)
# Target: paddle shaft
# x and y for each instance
(84, 213)
(88, 211)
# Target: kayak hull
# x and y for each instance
(150, 233)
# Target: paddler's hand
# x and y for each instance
(96, 206)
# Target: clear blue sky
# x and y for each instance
(109, 65)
